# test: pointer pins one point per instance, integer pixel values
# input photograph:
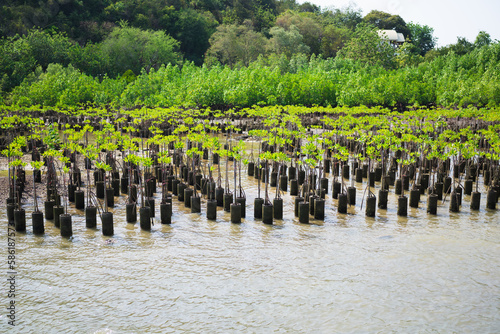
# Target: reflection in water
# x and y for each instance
(346, 274)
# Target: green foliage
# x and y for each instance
(128, 48)
(287, 42)
(421, 37)
(52, 138)
(368, 47)
(22, 54)
(308, 26)
(232, 43)
(58, 85)
(193, 30)
(383, 20)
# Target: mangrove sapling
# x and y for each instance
(37, 166)
(12, 152)
(65, 171)
(266, 156)
(238, 156)
(193, 200)
(342, 155)
(17, 165)
(106, 216)
(146, 210)
(371, 153)
(107, 169)
(164, 161)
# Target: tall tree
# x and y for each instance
(482, 39)
(128, 48)
(193, 30)
(308, 26)
(383, 20)
(231, 44)
(287, 42)
(367, 46)
(347, 17)
(334, 38)
(421, 37)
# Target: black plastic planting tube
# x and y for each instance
(124, 185)
(132, 193)
(402, 206)
(438, 189)
(251, 168)
(71, 192)
(10, 212)
(292, 173)
(235, 209)
(37, 222)
(91, 217)
(166, 213)
(278, 208)
(311, 204)
(49, 210)
(324, 184)
(432, 201)
(398, 187)
(107, 223)
(99, 189)
(115, 184)
(212, 209)
(297, 201)
(370, 206)
(228, 200)
(180, 191)
(475, 201)
(491, 199)
(195, 204)
(468, 187)
(145, 218)
(319, 208)
(336, 189)
(20, 220)
(284, 183)
(414, 198)
(371, 179)
(267, 213)
(304, 212)
(79, 199)
(110, 197)
(382, 198)
(447, 185)
(58, 210)
(342, 203)
(188, 193)
(131, 212)
(66, 225)
(351, 194)
(242, 201)
(359, 175)
(454, 202)
(386, 181)
(175, 187)
(219, 196)
(258, 203)
(294, 187)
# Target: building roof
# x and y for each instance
(391, 35)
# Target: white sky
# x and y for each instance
(449, 18)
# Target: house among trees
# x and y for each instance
(392, 36)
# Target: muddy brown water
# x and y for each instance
(348, 273)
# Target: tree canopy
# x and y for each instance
(108, 38)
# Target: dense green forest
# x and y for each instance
(232, 53)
